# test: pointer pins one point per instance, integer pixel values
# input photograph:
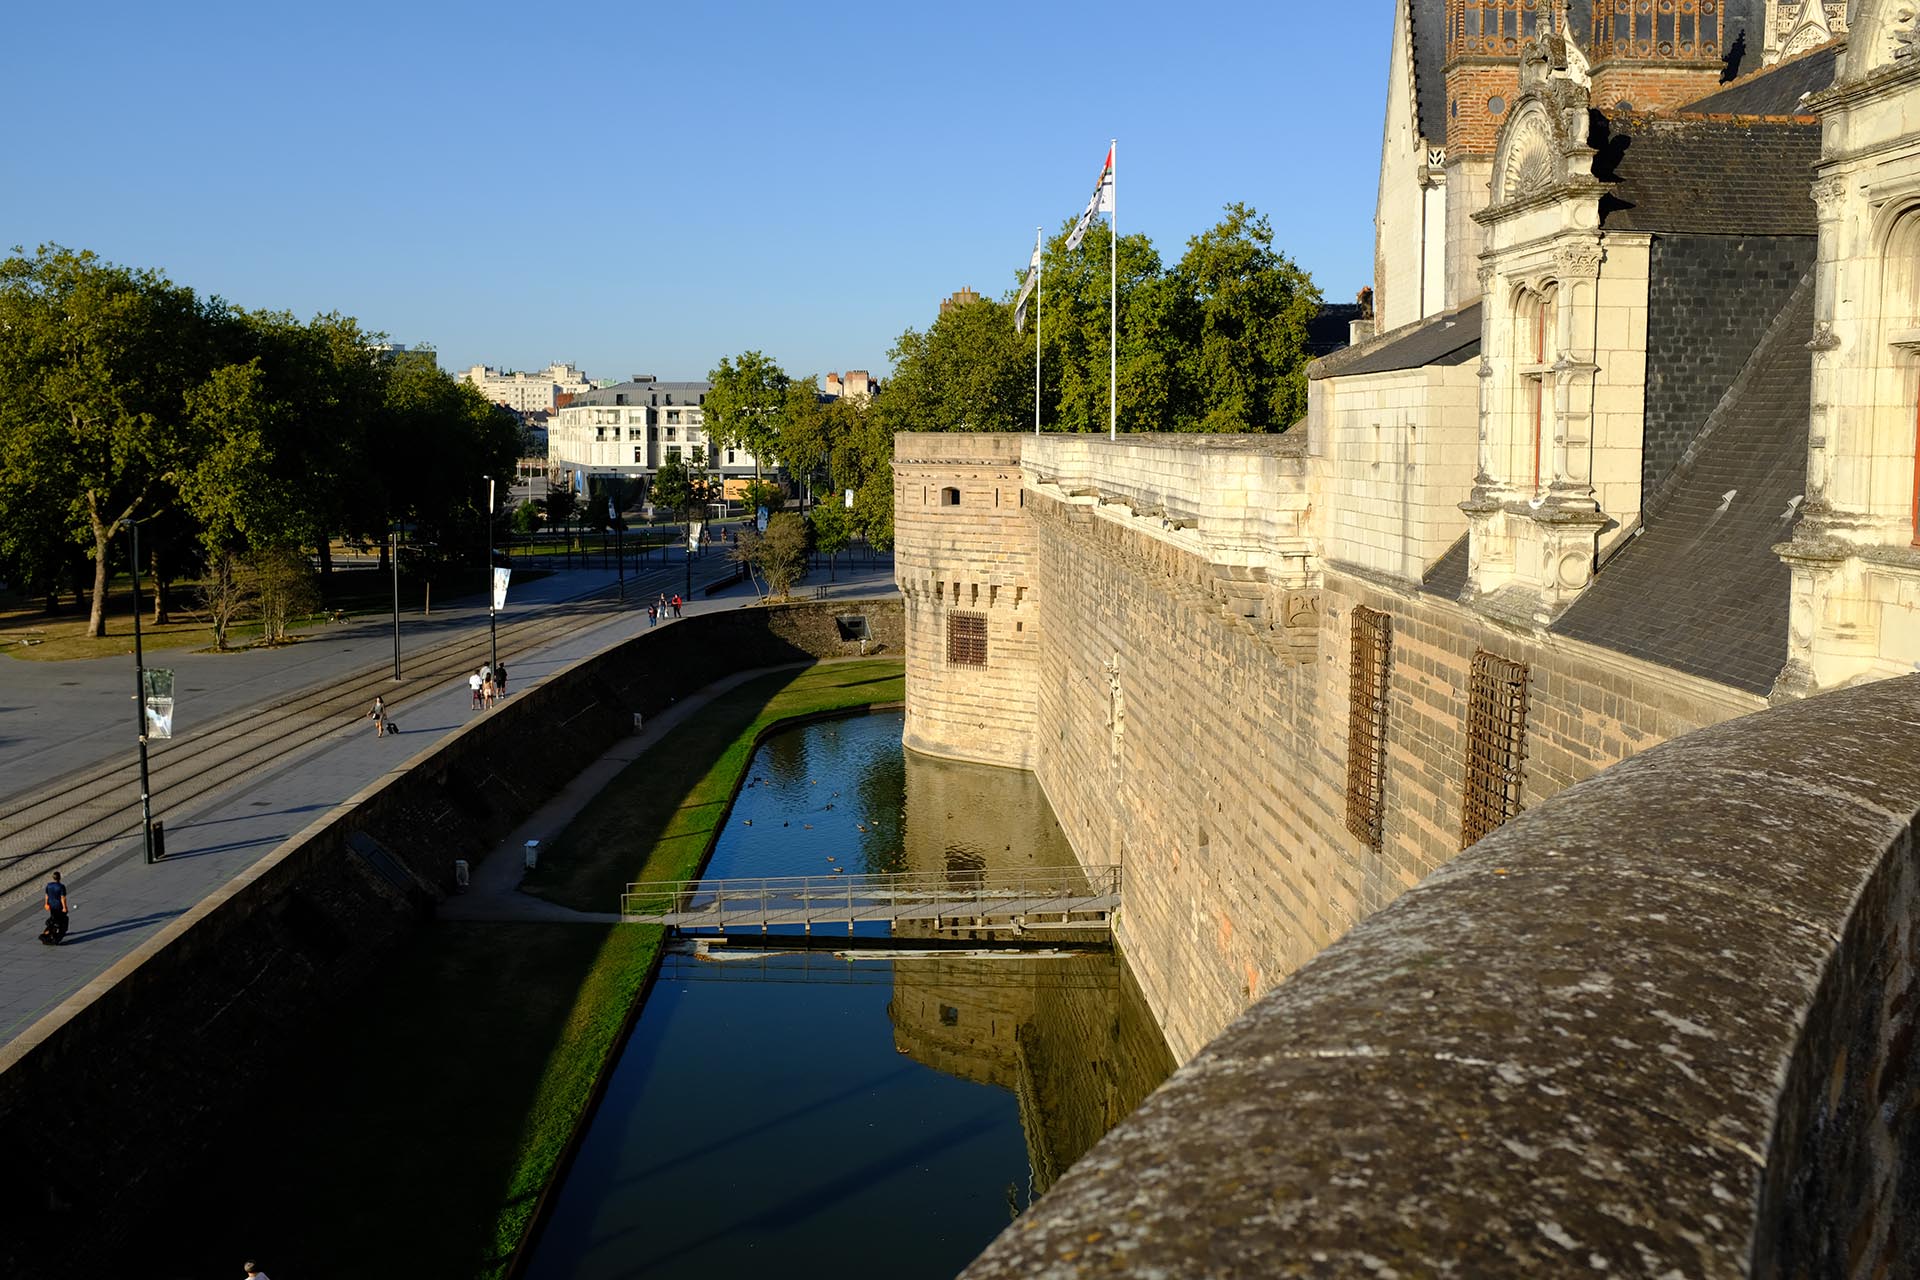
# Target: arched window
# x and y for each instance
(1533, 360)
(1900, 378)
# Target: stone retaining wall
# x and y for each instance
(115, 1092)
(1661, 1024)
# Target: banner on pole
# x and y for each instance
(849, 500)
(1026, 290)
(157, 697)
(500, 579)
(1102, 202)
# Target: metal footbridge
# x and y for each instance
(1052, 898)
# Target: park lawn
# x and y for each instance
(658, 819)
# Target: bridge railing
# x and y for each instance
(871, 895)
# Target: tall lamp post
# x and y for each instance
(395, 557)
(493, 616)
(140, 699)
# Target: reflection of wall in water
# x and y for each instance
(974, 817)
(1071, 1038)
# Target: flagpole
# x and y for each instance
(1113, 297)
(1039, 296)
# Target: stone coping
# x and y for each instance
(1660, 1025)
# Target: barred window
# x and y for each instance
(1367, 723)
(1496, 744)
(967, 639)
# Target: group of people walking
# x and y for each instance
(658, 610)
(487, 685)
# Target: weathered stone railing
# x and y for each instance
(1662, 1025)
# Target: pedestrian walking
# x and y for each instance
(254, 1271)
(676, 604)
(56, 907)
(473, 684)
(500, 680)
(487, 691)
(379, 717)
(653, 615)
(661, 605)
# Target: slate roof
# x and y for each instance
(1452, 337)
(1699, 589)
(1330, 328)
(1777, 90)
(1448, 577)
(1710, 175)
(677, 394)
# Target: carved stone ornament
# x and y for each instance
(1577, 260)
(1530, 158)
(1824, 338)
(1827, 194)
(1880, 34)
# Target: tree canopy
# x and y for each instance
(1217, 342)
(125, 397)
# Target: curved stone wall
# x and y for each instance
(1662, 1024)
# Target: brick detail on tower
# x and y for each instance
(1652, 54)
(1484, 41)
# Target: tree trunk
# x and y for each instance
(97, 620)
(161, 604)
(326, 567)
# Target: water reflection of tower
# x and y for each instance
(1060, 1034)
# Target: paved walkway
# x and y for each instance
(119, 901)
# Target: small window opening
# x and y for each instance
(949, 497)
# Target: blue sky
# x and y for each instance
(645, 187)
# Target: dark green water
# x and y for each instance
(809, 1114)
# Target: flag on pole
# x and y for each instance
(1102, 202)
(1026, 290)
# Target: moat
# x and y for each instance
(830, 1113)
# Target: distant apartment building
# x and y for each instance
(538, 391)
(628, 429)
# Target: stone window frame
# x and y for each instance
(966, 639)
(1535, 318)
(1895, 386)
(950, 495)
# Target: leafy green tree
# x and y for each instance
(743, 409)
(862, 460)
(806, 432)
(763, 493)
(95, 363)
(1246, 354)
(235, 489)
(970, 371)
(832, 530)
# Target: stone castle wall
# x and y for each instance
(1191, 697)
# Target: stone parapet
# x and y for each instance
(1659, 1025)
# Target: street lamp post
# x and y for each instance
(493, 616)
(140, 699)
(395, 555)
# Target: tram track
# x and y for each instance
(72, 821)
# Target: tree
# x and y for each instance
(764, 493)
(1247, 354)
(234, 490)
(970, 371)
(95, 363)
(744, 405)
(806, 431)
(783, 552)
(832, 528)
(746, 551)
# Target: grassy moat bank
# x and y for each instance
(426, 1116)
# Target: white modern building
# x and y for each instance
(542, 389)
(628, 429)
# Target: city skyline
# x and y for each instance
(647, 194)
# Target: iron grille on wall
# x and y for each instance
(1496, 744)
(1367, 723)
(967, 639)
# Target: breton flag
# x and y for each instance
(1026, 290)
(1102, 202)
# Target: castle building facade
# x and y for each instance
(1632, 452)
